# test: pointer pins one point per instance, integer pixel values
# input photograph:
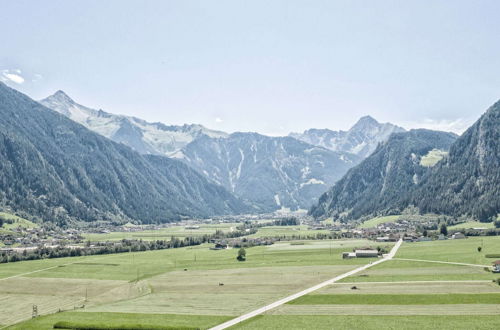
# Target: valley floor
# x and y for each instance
(196, 287)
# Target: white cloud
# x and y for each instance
(218, 120)
(37, 77)
(7, 75)
(457, 126)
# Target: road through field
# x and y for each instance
(280, 302)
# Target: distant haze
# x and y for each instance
(272, 67)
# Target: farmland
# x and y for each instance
(168, 282)
(372, 223)
(433, 284)
(162, 233)
(403, 293)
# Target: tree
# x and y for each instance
(443, 230)
(497, 224)
(424, 233)
(242, 255)
(479, 249)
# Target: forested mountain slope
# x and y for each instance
(381, 182)
(468, 180)
(59, 170)
(269, 172)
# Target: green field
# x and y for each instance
(17, 222)
(398, 299)
(372, 223)
(174, 281)
(463, 250)
(288, 231)
(425, 322)
(432, 157)
(122, 320)
(161, 234)
(472, 224)
(195, 287)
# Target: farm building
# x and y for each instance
(219, 246)
(360, 253)
(458, 236)
(366, 253)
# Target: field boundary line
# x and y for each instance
(282, 301)
(410, 282)
(443, 262)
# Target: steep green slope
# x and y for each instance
(57, 169)
(381, 183)
(467, 181)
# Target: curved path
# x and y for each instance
(280, 302)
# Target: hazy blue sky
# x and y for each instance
(265, 66)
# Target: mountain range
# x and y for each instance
(140, 135)
(270, 173)
(58, 170)
(63, 162)
(361, 139)
(465, 182)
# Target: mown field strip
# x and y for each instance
(264, 309)
(458, 309)
(410, 282)
(443, 262)
(49, 268)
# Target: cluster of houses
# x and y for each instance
(21, 237)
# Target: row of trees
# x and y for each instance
(116, 247)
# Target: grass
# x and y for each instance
(425, 322)
(156, 282)
(372, 223)
(434, 287)
(287, 231)
(472, 224)
(432, 157)
(17, 222)
(397, 299)
(81, 320)
(402, 270)
(159, 234)
(463, 250)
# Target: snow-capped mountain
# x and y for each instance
(270, 172)
(361, 139)
(144, 137)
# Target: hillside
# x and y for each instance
(270, 172)
(140, 135)
(381, 183)
(361, 139)
(59, 170)
(467, 181)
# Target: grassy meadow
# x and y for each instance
(402, 294)
(161, 234)
(372, 223)
(195, 287)
(171, 282)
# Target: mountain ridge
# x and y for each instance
(58, 170)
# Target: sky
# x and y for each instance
(271, 67)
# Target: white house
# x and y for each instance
(458, 236)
